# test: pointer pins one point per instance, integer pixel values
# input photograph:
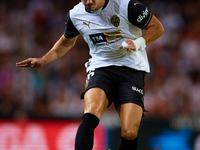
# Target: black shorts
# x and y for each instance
(121, 84)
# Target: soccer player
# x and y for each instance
(118, 63)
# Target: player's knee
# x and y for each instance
(129, 134)
(93, 109)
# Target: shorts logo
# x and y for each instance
(137, 90)
(115, 20)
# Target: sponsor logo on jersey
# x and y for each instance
(110, 36)
(115, 20)
(87, 24)
(138, 90)
(98, 38)
(142, 16)
(107, 37)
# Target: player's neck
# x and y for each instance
(100, 7)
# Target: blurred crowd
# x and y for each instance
(29, 28)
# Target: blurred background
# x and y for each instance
(29, 28)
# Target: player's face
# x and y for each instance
(92, 5)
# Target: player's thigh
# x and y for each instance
(130, 116)
(96, 101)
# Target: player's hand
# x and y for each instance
(31, 62)
(129, 45)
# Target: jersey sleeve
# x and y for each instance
(138, 14)
(70, 29)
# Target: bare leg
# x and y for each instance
(95, 104)
(130, 116)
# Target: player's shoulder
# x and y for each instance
(123, 6)
(136, 4)
(79, 8)
(134, 1)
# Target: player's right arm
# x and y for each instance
(60, 48)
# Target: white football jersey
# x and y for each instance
(104, 31)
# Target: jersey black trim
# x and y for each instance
(70, 29)
(106, 3)
(138, 14)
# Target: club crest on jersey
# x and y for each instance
(115, 20)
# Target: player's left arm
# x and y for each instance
(153, 30)
(139, 16)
